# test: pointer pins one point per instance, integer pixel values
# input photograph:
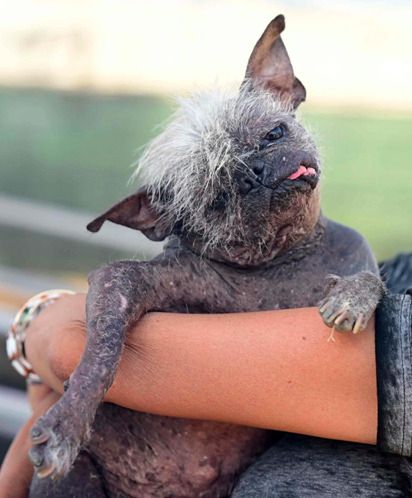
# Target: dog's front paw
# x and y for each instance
(56, 438)
(338, 313)
(351, 301)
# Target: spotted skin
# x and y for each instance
(143, 455)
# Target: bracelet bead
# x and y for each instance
(17, 332)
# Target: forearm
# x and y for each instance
(272, 369)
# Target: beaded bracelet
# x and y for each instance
(17, 331)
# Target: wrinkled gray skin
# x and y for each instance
(264, 246)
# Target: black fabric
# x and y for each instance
(397, 273)
(394, 358)
(306, 467)
(394, 374)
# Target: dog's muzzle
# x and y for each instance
(270, 172)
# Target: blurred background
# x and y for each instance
(84, 84)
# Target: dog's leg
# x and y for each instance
(83, 480)
(118, 296)
(351, 301)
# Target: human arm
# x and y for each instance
(267, 369)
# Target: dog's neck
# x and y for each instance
(285, 246)
(290, 231)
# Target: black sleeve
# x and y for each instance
(394, 360)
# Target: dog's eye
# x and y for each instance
(275, 134)
(272, 136)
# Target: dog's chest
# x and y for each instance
(287, 287)
(293, 285)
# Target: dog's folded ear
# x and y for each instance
(137, 212)
(269, 66)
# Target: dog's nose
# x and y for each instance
(252, 177)
(258, 167)
(246, 183)
(247, 180)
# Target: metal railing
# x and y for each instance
(56, 221)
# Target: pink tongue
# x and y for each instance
(302, 171)
(299, 172)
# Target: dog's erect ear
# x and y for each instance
(269, 66)
(137, 212)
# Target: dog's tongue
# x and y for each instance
(302, 171)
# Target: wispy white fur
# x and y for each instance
(195, 157)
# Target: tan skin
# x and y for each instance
(272, 369)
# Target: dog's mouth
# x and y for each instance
(303, 174)
(296, 173)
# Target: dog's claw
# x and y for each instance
(38, 436)
(45, 472)
(35, 432)
(358, 324)
(322, 306)
(56, 438)
(350, 302)
(341, 316)
(342, 320)
(338, 317)
(330, 313)
(36, 458)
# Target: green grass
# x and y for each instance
(368, 175)
(76, 150)
(73, 149)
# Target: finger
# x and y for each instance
(36, 393)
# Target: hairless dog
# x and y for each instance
(232, 183)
